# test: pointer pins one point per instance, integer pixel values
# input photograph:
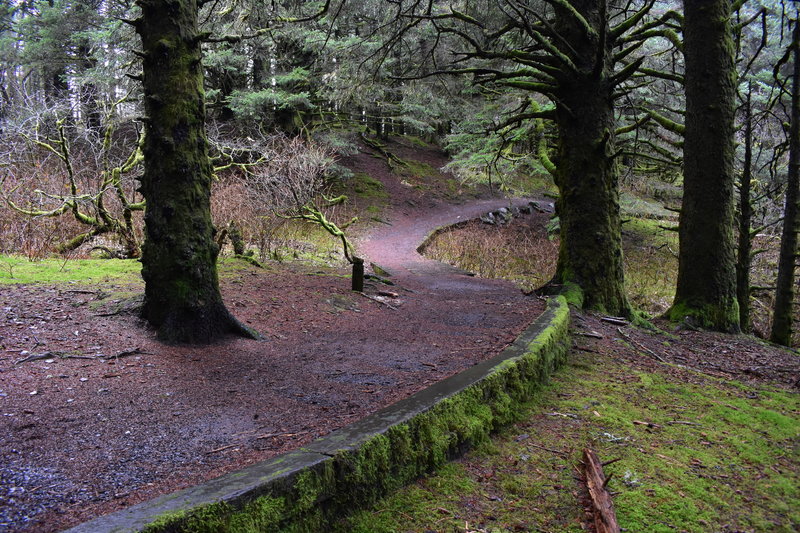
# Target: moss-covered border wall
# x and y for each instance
(306, 489)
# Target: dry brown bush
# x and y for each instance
(520, 252)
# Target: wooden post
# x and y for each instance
(358, 274)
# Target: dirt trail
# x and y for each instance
(89, 434)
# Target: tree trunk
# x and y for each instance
(706, 289)
(745, 219)
(784, 295)
(590, 253)
(182, 297)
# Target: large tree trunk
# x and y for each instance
(706, 289)
(784, 294)
(590, 254)
(179, 256)
(745, 247)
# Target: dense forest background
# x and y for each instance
(688, 114)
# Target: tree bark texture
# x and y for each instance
(706, 288)
(179, 256)
(590, 253)
(784, 294)
(745, 246)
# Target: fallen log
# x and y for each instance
(605, 519)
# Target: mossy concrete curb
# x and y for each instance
(307, 489)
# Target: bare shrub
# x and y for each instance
(64, 185)
(265, 180)
(518, 252)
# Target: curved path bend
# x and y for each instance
(175, 416)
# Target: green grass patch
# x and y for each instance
(719, 453)
(17, 269)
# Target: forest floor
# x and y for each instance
(107, 417)
(703, 430)
(96, 415)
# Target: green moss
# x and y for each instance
(415, 169)
(717, 317)
(365, 186)
(573, 294)
(733, 459)
(416, 141)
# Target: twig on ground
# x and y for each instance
(616, 320)
(557, 452)
(131, 351)
(641, 347)
(221, 449)
(365, 295)
(585, 349)
(592, 334)
(81, 291)
(648, 424)
(273, 435)
(37, 357)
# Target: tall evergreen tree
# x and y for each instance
(579, 55)
(179, 256)
(706, 288)
(784, 295)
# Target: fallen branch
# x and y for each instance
(365, 295)
(641, 347)
(37, 357)
(48, 355)
(551, 450)
(592, 334)
(684, 423)
(273, 435)
(132, 351)
(616, 320)
(605, 519)
(81, 291)
(648, 424)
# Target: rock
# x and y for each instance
(503, 215)
(526, 209)
(488, 218)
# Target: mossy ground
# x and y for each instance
(365, 186)
(720, 456)
(18, 269)
(651, 263)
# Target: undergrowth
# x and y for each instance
(716, 457)
(519, 252)
(522, 252)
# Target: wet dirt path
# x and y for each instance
(101, 434)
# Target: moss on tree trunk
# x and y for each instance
(179, 256)
(706, 289)
(590, 253)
